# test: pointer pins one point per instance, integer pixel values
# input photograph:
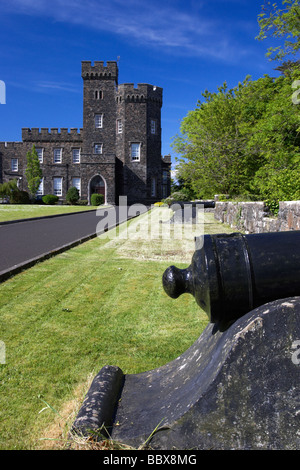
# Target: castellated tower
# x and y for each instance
(122, 124)
(138, 140)
(116, 153)
(99, 126)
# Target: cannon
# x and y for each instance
(237, 385)
(231, 274)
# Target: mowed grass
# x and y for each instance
(24, 211)
(99, 303)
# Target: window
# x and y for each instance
(153, 127)
(77, 184)
(40, 190)
(135, 152)
(57, 155)
(76, 155)
(165, 177)
(98, 95)
(14, 164)
(57, 186)
(40, 153)
(153, 187)
(119, 126)
(98, 121)
(98, 148)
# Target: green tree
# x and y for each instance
(7, 188)
(246, 140)
(277, 137)
(243, 141)
(33, 172)
(283, 24)
(214, 146)
(72, 195)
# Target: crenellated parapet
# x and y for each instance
(99, 70)
(167, 159)
(144, 92)
(10, 146)
(53, 135)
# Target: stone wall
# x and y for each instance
(253, 217)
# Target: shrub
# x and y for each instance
(179, 196)
(168, 201)
(72, 195)
(50, 199)
(19, 197)
(97, 199)
(8, 187)
(82, 202)
(223, 197)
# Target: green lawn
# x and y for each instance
(25, 211)
(99, 303)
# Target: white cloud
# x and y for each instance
(46, 85)
(152, 23)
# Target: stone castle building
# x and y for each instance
(116, 153)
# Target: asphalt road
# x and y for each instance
(25, 242)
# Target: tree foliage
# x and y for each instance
(283, 24)
(33, 172)
(243, 140)
(7, 188)
(72, 195)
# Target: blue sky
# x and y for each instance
(183, 46)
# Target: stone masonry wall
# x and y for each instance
(252, 217)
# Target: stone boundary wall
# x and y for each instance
(252, 217)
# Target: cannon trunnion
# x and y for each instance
(232, 274)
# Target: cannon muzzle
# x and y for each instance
(233, 274)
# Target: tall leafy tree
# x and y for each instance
(247, 139)
(33, 172)
(282, 23)
(277, 134)
(243, 141)
(213, 144)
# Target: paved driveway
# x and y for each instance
(23, 243)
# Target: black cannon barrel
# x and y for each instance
(232, 274)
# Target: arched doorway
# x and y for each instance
(97, 185)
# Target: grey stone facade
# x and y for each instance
(117, 152)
